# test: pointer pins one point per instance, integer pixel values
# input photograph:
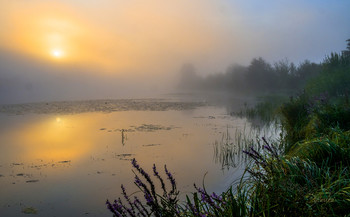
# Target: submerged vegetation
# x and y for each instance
(306, 173)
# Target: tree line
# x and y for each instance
(258, 77)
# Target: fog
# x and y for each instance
(69, 50)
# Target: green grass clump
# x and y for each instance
(313, 181)
(306, 117)
(296, 117)
(332, 150)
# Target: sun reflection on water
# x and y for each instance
(54, 139)
(51, 151)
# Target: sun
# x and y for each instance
(57, 53)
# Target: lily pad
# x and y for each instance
(151, 145)
(29, 210)
(32, 181)
(65, 161)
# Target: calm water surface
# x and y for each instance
(67, 161)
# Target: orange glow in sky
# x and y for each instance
(154, 37)
(113, 36)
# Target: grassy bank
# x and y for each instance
(305, 174)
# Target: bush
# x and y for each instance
(295, 118)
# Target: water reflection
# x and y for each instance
(77, 161)
(53, 139)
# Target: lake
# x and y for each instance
(67, 158)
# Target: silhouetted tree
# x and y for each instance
(235, 78)
(189, 79)
(346, 53)
(260, 75)
(284, 72)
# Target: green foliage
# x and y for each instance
(336, 61)
(335, 81)
(313, 181)
(307, 117)
(332, 150)
(265, 112)
(259, 77)
(227, 204)
(331, 116)
(295, 118)
(335, 75)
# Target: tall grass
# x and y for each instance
(228, 151)
(277, 185)
(264, 113)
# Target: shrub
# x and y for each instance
(295, 118)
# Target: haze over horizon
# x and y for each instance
(74, 49)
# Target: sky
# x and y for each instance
(87, 49)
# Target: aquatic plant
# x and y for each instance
(156, 204)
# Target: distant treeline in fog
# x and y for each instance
(258, 77)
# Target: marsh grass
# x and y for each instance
(228, 151)
(313, 181)
(264, 113)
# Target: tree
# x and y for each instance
(346, 53)
(189, 79)
(260, 75)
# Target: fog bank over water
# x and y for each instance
(67, 50)
(30, 80)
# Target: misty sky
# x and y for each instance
(80, 49)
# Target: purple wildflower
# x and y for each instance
(206, 197)
(134, 163)
(138, 181)
(149, 198)
(126, 197)
(155, 172)
(147, 177)
(137, 203)
(216, 197)
(110, 207)
(193, 209)
(116, 208)
(171, 179)
(270, 148)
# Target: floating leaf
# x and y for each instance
(29, 210)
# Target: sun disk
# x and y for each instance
(57, 53)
